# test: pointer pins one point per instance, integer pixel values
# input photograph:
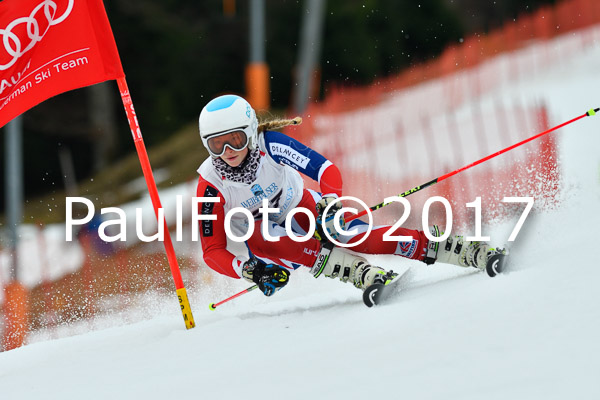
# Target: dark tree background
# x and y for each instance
(178, 54)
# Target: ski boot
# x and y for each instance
(336, 262)
(457, 251)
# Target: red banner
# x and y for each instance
(52, 46)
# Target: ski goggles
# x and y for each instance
(236, 140)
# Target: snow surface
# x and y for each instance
(451, 333)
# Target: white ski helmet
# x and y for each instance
(225, 114)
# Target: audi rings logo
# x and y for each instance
(43, 16)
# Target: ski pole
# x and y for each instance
(591, 112)
(213, 306)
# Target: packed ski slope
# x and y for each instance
(450, 334)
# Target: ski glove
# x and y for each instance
(269, 277)
(326, 222)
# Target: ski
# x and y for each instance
(379, 292)
(496, 264)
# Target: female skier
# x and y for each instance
(250, 163)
